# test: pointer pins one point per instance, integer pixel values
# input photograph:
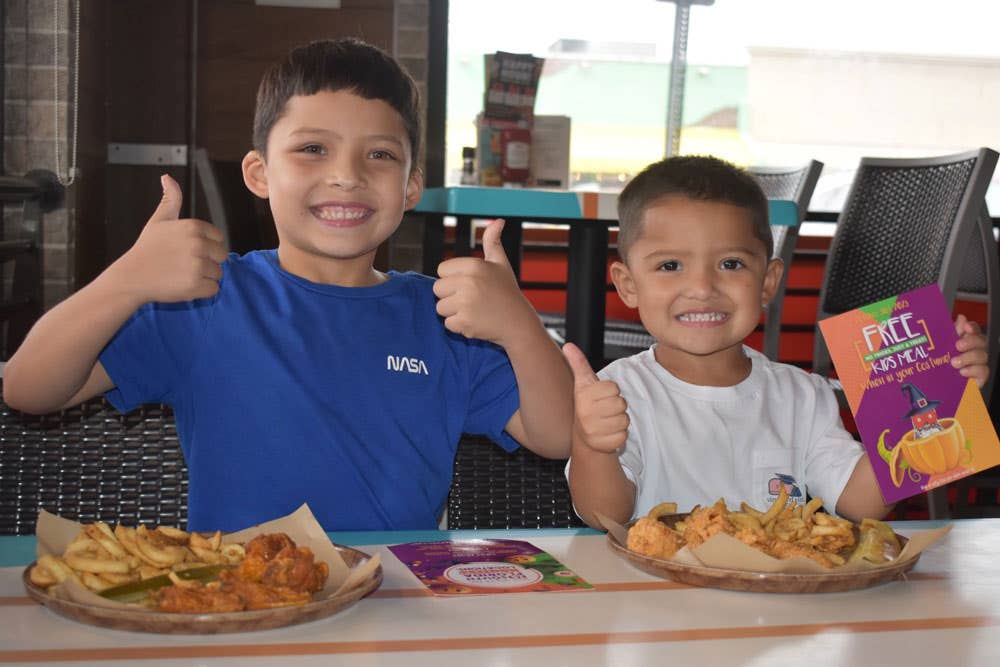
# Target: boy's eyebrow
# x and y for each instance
(324, 131)
(744, 250)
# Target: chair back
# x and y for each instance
(493, 488)
(796, 185)
(907, 223)
(979, 280)
(91, 463)
(231, 206)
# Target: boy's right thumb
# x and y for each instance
(583, 374)
(170, 204)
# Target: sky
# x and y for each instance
(721, 33)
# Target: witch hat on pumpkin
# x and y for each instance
(918, 402)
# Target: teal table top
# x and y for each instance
(525, 203)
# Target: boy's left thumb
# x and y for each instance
(492, 246)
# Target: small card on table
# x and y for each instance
(484, 566)
(923, 425)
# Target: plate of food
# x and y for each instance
(164, 580)
(790, 548)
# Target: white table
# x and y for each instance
(946, 612)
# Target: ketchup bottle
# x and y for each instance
(515, 155)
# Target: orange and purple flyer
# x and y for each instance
(922, 423)
(483, 566)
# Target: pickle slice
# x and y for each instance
(137, 591)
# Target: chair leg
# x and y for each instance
(937, 503)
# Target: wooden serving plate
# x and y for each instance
(760, 582)
(143, 620)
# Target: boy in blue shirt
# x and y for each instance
(701, 416)
(303, 374)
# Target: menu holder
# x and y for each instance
(922, 423)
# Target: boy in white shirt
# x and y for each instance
(700, 416)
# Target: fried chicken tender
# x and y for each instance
(267, 546)
(198, 599)
(707, 521)
(274, 560)
(651, 537)
(257, 595)
(275, 573)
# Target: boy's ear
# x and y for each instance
(624, 284)
(772, 280)
(255, 174)
(414, 188)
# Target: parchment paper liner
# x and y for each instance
(725, 551)
(54, 533)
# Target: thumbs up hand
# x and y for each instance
(173, 259)
(601, 418)
(480, 298)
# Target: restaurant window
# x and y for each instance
(769, 82)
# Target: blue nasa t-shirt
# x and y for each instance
(287, 392)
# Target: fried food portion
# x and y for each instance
(652, 537)
(201, 599)
(785, 530)
(100, 557)
(703, 523)
(275, 560)
(258, 595)
(275, 573)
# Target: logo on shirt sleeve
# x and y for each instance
(401, 364)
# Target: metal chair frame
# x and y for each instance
(796, 185)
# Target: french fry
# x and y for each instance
(92, 581)
(174, 534)
(233, 552)
(96, 565)
(810, 508)
(662, 510)
(101, 534)
(155, 552)
(779, 504)
(208, 556)
(213, 543)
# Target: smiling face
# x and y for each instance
(338, 177)
(699, 278)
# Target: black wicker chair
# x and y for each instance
(91, 463)
(908, 223)
(796, 185)
(492, 488)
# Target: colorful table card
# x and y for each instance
(478, 567)
(922, 423)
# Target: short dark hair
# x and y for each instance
(698, 177)
(337, 64)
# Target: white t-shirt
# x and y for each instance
(693, 445)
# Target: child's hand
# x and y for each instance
(173, 260)
(601, 417)
(973, 357)
(480, 298)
